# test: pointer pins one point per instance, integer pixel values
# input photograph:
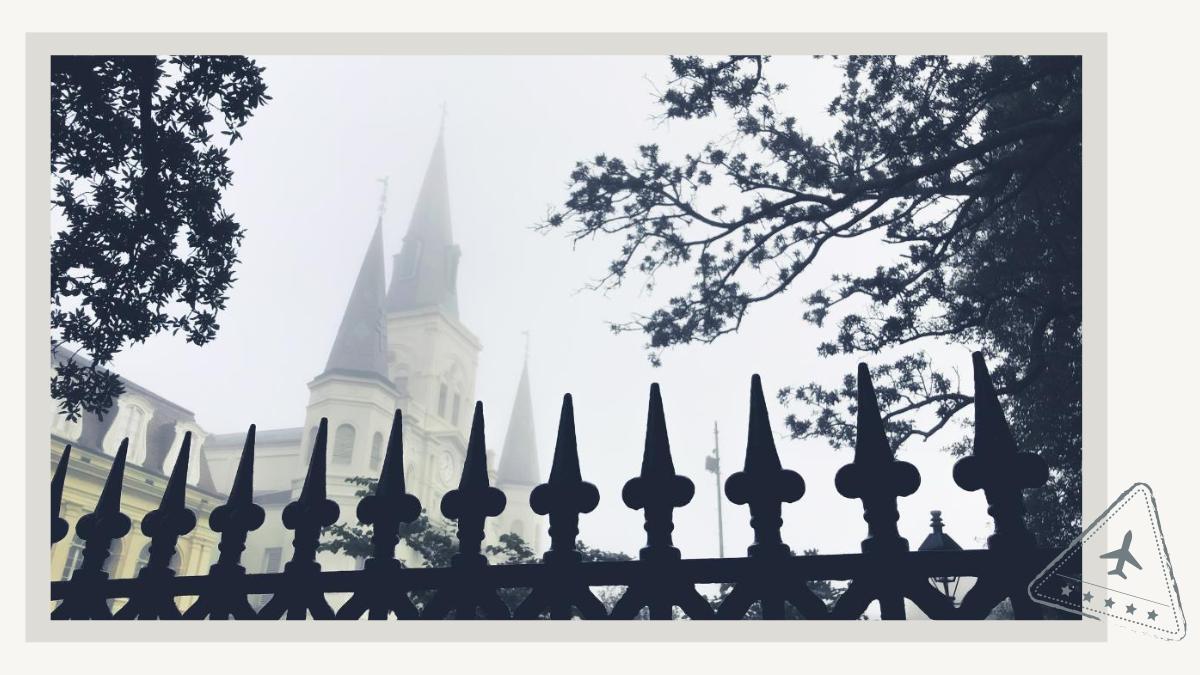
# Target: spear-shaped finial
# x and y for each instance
(565, 496)
(763, 484)
(173, 495)
(474, 474)
(875, 476)
(992, 433)
(312, 510)
(658, 489)
(391, 476)
(242, 491)
(996, 467)
(761, 455)
(314, 480)
(870, 442)
(565, 467)
(656, 457)
(172, 518)
(239, 514)
(58, 525)
(391, 504)
(474, 501)
(106, 522)
(110, 494)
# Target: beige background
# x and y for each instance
(1136, 346)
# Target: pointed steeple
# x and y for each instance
(361, 344)
(519, 458)
(424, 273)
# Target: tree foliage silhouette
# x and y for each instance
(435, 544)
(138, 176)
(964, 174)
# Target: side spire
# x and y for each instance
(360, 347)
(424, 274)
(519, 457)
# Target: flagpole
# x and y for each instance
(717, 471)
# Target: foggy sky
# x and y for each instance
(306, 190)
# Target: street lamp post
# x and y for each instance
(940, 541)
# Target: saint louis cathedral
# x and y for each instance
(401, 344)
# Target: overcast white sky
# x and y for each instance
(306, 191)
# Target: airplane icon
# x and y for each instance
(1122, 556)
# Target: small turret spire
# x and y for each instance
(519, 457)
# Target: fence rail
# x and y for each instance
(769, 577)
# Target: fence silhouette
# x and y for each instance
(769, 576)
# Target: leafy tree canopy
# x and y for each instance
(138, 160)
(963, 174)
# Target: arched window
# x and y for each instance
(144, 559)
(74, 558)
(343, 444)
(442, 393)
(114, 556)
(377, 450)
(454, 410)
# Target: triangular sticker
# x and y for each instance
(1118, 569)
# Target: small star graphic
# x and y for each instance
(1152, 615)
(1130, 609)
(1066, 590)
(1087, 597)
(1108, 602)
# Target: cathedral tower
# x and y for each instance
(354, 391)
(432, 357)
(519, 472)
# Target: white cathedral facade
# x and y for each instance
(401, 345)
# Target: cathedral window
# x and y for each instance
(74, 558)
(272, 561)
(442, 393)
(343, 444)
(272, 557)
(144, 559)
(114, 557)
(455, 409)
(377, 450)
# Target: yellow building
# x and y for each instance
(155, 428)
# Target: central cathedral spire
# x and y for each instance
(424, 273)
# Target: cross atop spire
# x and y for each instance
(383, 197)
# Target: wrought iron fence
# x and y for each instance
(769, 577)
